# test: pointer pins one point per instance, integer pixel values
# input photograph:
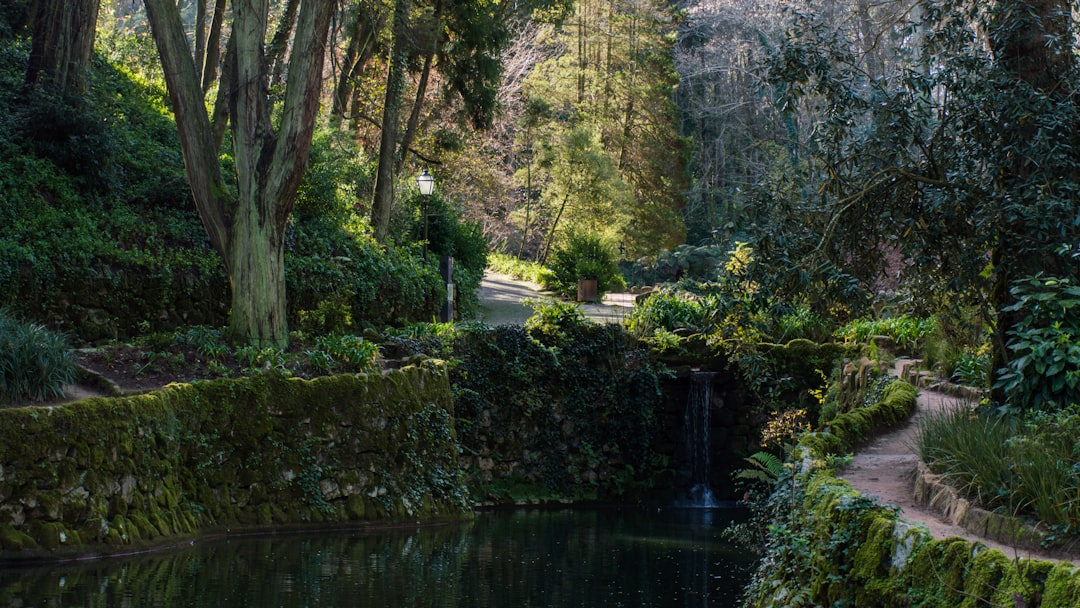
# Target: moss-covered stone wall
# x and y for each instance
(832, 546)
(115, 474)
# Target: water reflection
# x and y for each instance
(502, 559)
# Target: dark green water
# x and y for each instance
(501, 560)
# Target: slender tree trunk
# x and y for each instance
(344, 83)
(213, 47)
(421, 87)
(395, 90)
(62, 43)
(200, 33)
(276, 52)
(551, 231)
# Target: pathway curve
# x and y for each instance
(886, 468)
(501, 298)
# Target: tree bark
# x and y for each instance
(421, 86)
(248, 230)
(62, 43)
(1031, 40)
(209, 66)
(383, 198)
(276, 53)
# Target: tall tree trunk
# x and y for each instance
(249, 230)
(276, 52)
(209, 66)
(1031, 40)
(395, 89)
(421, 86)
(62, 43)
(344, 85)
(200, 33)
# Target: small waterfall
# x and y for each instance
(696, 439)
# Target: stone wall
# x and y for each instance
(115, 474)
(832, 546)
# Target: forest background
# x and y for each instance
(917, 155)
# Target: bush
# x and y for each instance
(664, 311)
(583, 257)
(685, 262)
(35, 363)
(907, 332)
(524, 270)
(1044, 362)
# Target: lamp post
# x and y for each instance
(426, 184)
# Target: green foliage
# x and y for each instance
(554, 318)
(907, 332)
(582, 256)
(1027, 466)
(664, 311)
(972, 368)
(341, 270)
(519, 269)
(904, 169)
(35, 362)
(336, 177)
(765, 467)
(447, 234)
(606, 154)
(685, 262)
(337, 353)
(575, 412)
(1043, 370)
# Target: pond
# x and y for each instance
(502, 559)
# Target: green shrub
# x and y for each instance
(1044, 361)
(971, 368)
(583, 256)
(337, 353)
(35, 362)
(553, 318)
(664, 311)
(685, 262)
(907, 332)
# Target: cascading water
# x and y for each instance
(696, 438)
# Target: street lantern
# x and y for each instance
(426, 183)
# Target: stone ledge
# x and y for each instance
(931, 491)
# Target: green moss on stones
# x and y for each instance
(262, 451)
(861, 554)
(15, 540)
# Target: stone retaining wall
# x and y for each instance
(107, 475)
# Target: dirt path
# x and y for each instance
(886, 468)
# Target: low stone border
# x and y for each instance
(931, 491)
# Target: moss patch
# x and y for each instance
(834, 547)
(99, 474)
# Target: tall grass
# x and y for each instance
(1026, 466)
(35, 362)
